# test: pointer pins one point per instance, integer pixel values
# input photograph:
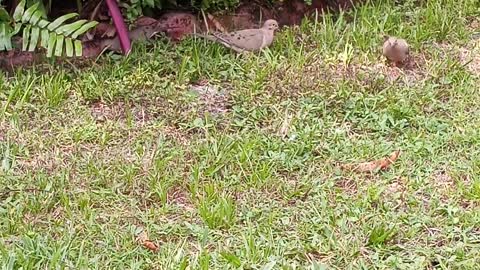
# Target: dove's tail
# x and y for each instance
(220, 40)
(208, 37)
(212, 38)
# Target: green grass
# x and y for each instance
(250, 177)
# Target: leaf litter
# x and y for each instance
(147, 243)
(375, 165)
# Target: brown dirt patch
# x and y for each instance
(176, 195)
(213, 98)
(316, 74)
(349, 186)
(471, 58)
(395, 187)
(468, 55)
(442, 180)
(119, 110)
(56, 158)
(396, 191)
(177, 135)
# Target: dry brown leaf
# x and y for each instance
(375, 165)
(144, 241)
(105, 30)
(144, 21)
(150, 245)
(216, 23)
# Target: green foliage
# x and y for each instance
(136, 8)
(57, 37)
(6, 30)
(216, 4)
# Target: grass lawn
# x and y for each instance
(235, 162)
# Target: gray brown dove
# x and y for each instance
(140, 33)
(395, 49)
(247, 39)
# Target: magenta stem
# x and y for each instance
(120, 26)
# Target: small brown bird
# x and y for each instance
(247, 39)
(395, 49)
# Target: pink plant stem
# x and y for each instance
(120, 26)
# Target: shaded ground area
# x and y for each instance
(229, 162)
(174, 22)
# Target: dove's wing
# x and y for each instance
(248, 39)
(220, 40)
(396, 50)
(404, 46)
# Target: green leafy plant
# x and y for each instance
(137, 8)
(57, 37)
(217, 4)
(381, 234)
(6, 30)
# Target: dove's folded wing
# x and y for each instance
(249, 40)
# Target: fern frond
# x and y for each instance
(68, 29)
(5, 37)
(69, 47)
(44, 38)
(29, 12)
(52, 26)
(51, 44)
(43, 23)
(59, 45)
(36, 17)
(19, 10)
(78, 48)
(34, 37)
(84, 29)
(5, 30)
(26, 37)
(57, 37)
(4, 16)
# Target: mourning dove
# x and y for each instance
(140, 33)
(395, 49)
(247, 39)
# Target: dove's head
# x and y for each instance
(270, 25)
(390, 41)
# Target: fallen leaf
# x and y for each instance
(176, 25)
(143, 240)
(216, 23)
(102, 30)
(375, 165)
(107, 30)
(150, 245)
(143, 21)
